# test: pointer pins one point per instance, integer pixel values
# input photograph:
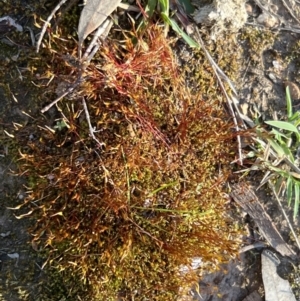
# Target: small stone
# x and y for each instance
(294, 89)
(277, 65)
(244, 108)
(273, 78)
(50, 177)
(5, 234)
(249, 9)
(221, 15)
(267, 20)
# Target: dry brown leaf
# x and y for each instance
(93, 15)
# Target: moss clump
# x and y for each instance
(256, 41)
(125, 216)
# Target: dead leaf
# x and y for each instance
(93, 15)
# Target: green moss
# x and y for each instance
(256, 41)
(122, 219)
(125, 218)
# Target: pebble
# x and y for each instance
(273, 78)
(252, 10)
(249, 9)
(267, 20)
(277, 65)
(294, 89)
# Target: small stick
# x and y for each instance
(88, 119)
(285, 215)
(69, 90)
(220, 74)
(103, 29)
(229, 101)
(290, 11)
(57, 7)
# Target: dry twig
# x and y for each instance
(57, 7)
(88, 119)
(93, 47)
(69, 90)
(285, 215)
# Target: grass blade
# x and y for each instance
(288, 103)
(177, 29)
(281, 172)
(276, 147)
(287, 152)
(164, 186)
(164, 6)
(150, 7)
(289, 190)
(149, 10)
(278, 135)
(278, 185)
(297, 193)
(284, 125)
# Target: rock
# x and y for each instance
(273, 77)
(249, 9)
(276, 288)
(294, 89)
(267, 20)
(277, 65)
(221, 15)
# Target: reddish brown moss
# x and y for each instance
(126, 216)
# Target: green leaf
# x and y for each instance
(149, 10)
(60, 125)
(279, 171)
(150, 7)
(295, 118)
(284, 125)
(287, 152)
(177, 29)
(164, 6)
(278, 135)
(277, 148)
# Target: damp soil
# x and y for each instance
(263, 72)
